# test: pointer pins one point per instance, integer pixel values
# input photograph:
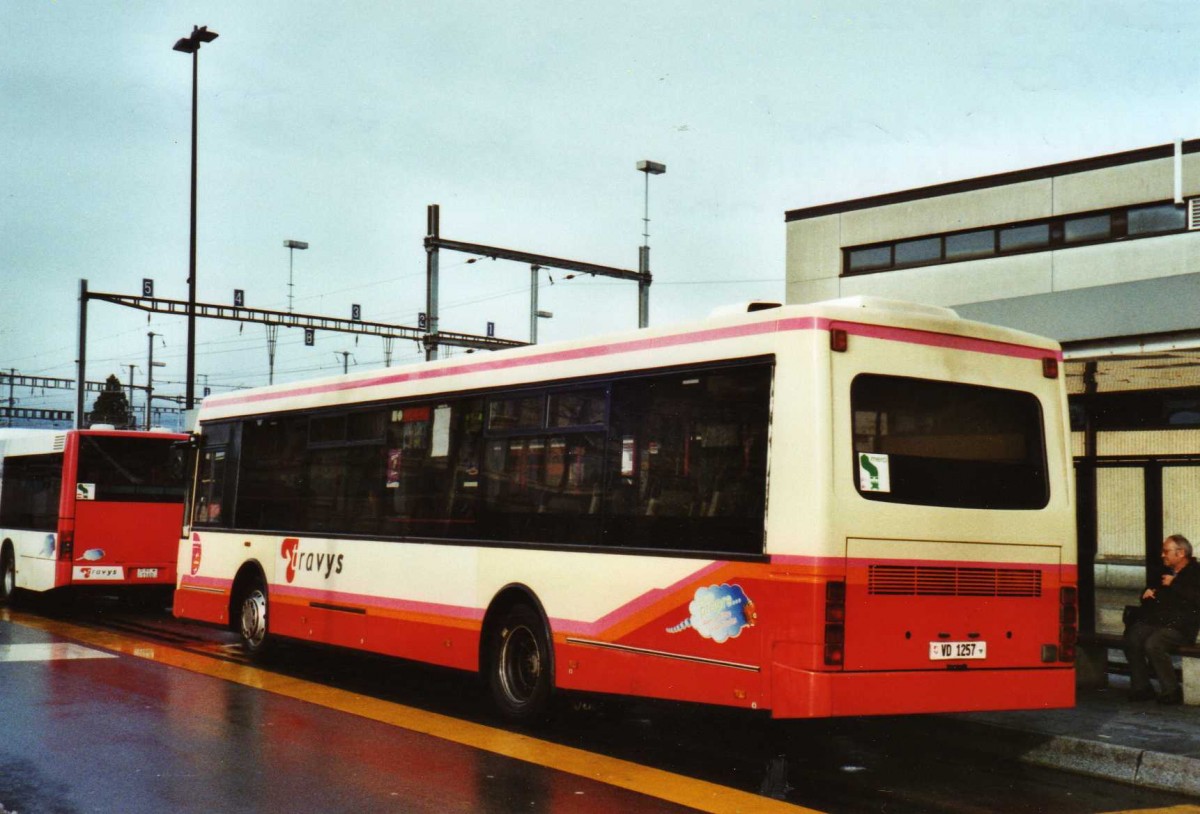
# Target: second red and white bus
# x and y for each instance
(98, 507)
(849, 508)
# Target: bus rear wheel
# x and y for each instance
(8, 574)
(519, 669)
(252, 619)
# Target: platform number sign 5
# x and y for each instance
(147, 287)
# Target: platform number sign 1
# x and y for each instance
(147, 287)
(491, 330)
(239, 298)
(310, 337)
(356, 313)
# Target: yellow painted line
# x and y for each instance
(674, 788)
(1188, 809)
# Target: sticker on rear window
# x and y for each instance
(873, 472)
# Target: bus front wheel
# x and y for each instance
(519, 670)
(8, 574)
(252, 619)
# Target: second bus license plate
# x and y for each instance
(147, 573)
(943, 651)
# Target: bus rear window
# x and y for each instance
(137, 470)
(934, 443)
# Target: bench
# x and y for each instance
(1092, 663)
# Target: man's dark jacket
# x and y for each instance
(1177, 605)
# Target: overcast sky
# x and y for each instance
(338, 123)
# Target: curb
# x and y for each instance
(1111, 761)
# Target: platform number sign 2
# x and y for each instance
(147, 287)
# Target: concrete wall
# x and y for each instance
(814, 245)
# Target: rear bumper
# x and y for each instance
(808, 694)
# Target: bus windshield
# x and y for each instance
(948, 444)
(140, 470)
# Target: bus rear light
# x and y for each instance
(66, 544)
(835, 617)
(839, 340)
(1068, 617)
(1050, 367)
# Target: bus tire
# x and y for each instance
(8, 574)
(252, 619)
(519, 670)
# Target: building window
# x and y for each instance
(971, 244)
(870, 259)
(1143, 220)
(912, 252)
(1149, 220)
(1096, 227)
(1019, 238)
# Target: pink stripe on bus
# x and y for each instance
(632, 607)
(906, 335)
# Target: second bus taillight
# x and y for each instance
(1068, 622)
(66, 543)
(835, 623)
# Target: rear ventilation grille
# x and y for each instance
(60, 443)
(1193, 214)
(928, 580)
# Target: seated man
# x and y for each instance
(1170, 616)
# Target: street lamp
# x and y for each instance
(191, 45)
(649, 168)
(291, 246)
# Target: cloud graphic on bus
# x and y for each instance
(718, 612)
(93, 554)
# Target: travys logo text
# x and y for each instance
(322, 563)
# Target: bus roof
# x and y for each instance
(900, 319)
(31, 441)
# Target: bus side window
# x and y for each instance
(687, 460)
(211, 481)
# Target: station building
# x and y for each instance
(1101, 253)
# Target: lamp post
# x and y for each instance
(191, 45)
(649, 168)
(291, 246)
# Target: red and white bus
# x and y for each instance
(96, 507)
(849, 508)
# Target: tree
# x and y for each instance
(112, 406)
